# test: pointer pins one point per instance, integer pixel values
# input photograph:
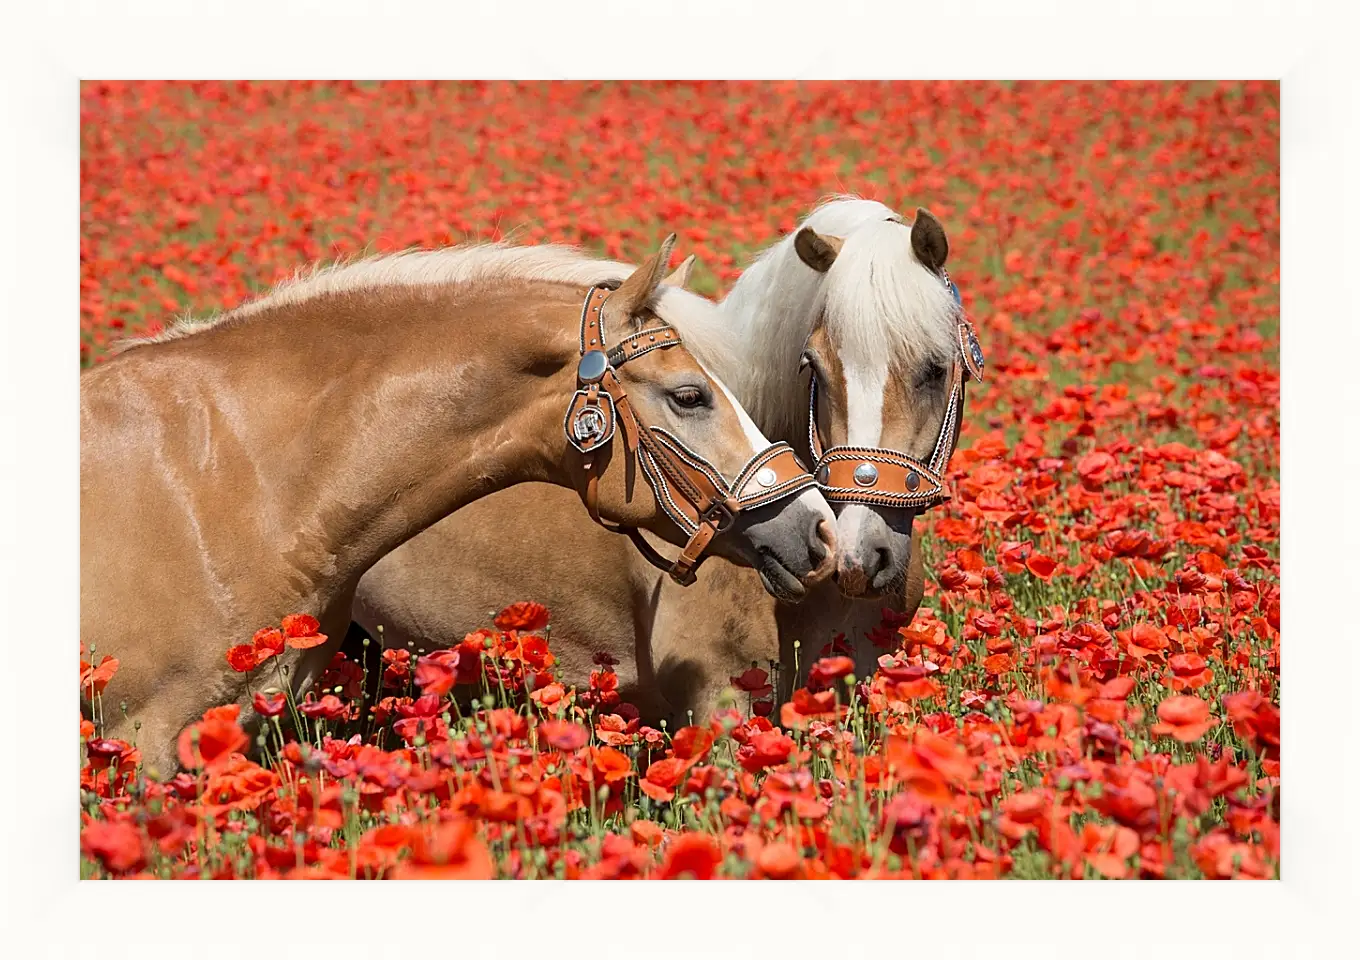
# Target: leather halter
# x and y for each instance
(689, 489)
(880, 477)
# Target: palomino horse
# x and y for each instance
(863, 300)
(242, 469)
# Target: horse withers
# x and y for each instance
(257, 465)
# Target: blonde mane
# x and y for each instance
(880, 301)
(877, 300)
(458, 265)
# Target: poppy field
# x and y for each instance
(1091, 687)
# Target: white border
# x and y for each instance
(48, 48)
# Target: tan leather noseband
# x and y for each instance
(689, 489)
(879, 477)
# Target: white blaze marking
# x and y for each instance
(864, 386)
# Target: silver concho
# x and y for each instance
(866, 475)
(589, 425)
(913, 481)
(973, 359)
(823, 474)
(766, 476)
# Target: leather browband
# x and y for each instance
(689, 489)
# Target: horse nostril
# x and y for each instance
(825, 532)
(879, 560)
(822, 549)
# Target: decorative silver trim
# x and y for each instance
(866, 474)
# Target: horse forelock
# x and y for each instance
(880, 302)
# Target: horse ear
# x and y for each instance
(637, 292)
(680, 275)
(928, 241)
(817, 250)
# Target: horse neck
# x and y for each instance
(378, 415)
(774, 306)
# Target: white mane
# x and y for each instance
(877, 300)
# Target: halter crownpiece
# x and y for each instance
(689, 489)
(879, 477)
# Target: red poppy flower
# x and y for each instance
(270, 705)
(1095, 468)
(301, 631)
(1189, 671)
(1254, 718)
(612, 729)
(93, 680)
(563, 735)
(828, 670)
(300, 625)
(1041, 566)
(807, 706)
(211, 742)
(329, 707)
(662, 777)
(952, 578)
(436, 674)
(754, 681)
(551, 697)
(692, 743)
(525, 615)
(998, 663)
(1108, 848)
(242, 658)
(779, 861)
(116, 845)
(764, 750)
(611, 765)
(646, 832)
(449, 851)
(690, 856)
(106, 749)
(533, 650)
(267, 642)
(1185, 718)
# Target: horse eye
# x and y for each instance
(688, 397)
(804, 362)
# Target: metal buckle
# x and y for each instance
(719, 515)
